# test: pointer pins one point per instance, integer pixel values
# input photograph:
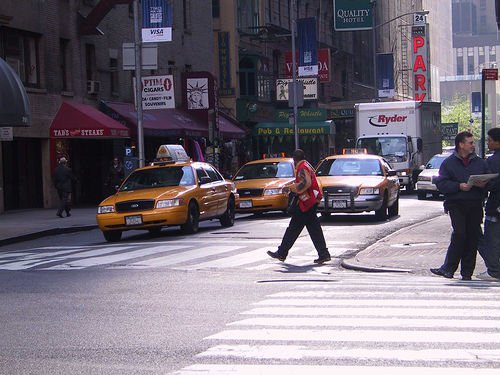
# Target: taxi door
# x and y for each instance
(221, 188)
(207, 196)
(392, 183)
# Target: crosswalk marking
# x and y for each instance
(376, 333)
(304, 352)
(373, 322)
(326, 370)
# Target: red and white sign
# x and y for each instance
(490, 74)
(323, 64)
(158, 92)
(421, 65)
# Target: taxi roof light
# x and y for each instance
(350, 151)
(171, 153)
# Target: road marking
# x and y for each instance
(234, 369)
(357, 302)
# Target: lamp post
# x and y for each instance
(294, 78)
(374, 37)
(138, 85)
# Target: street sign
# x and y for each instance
(449, 131)
(490, 74)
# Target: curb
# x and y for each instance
(350, 265)
(43, 233)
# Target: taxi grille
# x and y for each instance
(138, 205)
(340, 190)
(245, 193)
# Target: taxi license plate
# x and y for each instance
(246, 204)
(133, 220)
(339, 204)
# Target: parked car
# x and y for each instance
(424, 181)
(263, 185)
(356, 183)
(173, 191)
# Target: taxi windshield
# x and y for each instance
(265, 170)
(350, 167)
(159, 177)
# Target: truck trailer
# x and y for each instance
(405, 133)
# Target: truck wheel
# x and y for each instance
(381, 213)
(112, 236)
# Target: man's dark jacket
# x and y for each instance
(493, 202)
(453, 172)
(63, 178)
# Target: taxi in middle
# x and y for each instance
(264, 185)
(358, 182)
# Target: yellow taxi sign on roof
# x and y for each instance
(172, 153)
(350, 151)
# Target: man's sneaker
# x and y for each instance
(485, 276)
(441, 272)
(275, 255)
(323, 259)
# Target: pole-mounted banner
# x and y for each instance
(156, 21)
(308, 49)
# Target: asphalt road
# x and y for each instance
(134, 311)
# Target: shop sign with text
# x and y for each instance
(350, 15)
(158, 92)
(323, 64)
(310, 88)
(421, 76)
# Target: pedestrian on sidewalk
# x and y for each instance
(63, 179)
(309, 195)
(115, 177)
(464, 204)
(489, 245)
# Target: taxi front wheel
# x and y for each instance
(192, 223)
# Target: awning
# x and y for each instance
(14, 104)
(78, 120)
(157, 122)
(229, 129)
(266, 129)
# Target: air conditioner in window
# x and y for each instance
(93, 87)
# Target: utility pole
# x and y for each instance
(294, 77)
(374, 42)
(138, 85)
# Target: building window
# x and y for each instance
(216, 8)
(470, 65)
(247, 77)
(460, 65)
(248, 15)
(20, 51)
(65, 66)
(114, 77)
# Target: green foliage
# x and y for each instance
(458, 110)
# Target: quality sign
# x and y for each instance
(352, 15)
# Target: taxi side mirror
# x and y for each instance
(205, 180)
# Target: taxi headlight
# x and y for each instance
(275, 191)
(105, 209)
(424, 178)
(169, 203)
(369, 191)
(401, 173)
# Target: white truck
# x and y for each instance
(405, 133)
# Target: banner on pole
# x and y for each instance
(385, 75)
(156, 21)
(308, 49)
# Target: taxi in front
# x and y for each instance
(168, 193)
(264, 185)
(355, 183)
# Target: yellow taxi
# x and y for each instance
(173, 191)
(263, 185)
(358, 182)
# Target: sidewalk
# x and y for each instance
(22, 225)
(413, 249)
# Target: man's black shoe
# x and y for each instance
(60, 215)
(275, 255)
(322, 260)
(440, 272)
(466, 278)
